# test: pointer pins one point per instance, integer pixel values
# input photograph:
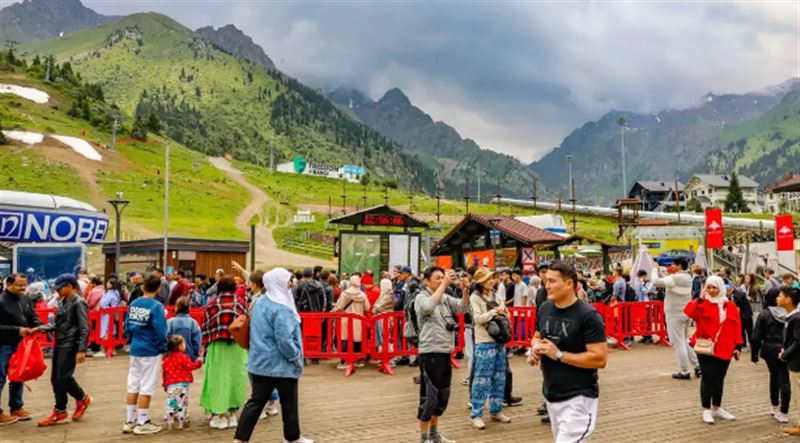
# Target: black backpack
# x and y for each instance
(630, 294)
(411, 327)
(499, 328)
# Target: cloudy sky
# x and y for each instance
(515, 76)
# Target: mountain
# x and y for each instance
(233, 41)
(766, 147)
(669, 145)
(39, 19)
(214, 102)
(439, 144)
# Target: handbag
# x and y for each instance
(240, 330)
(705, 346)
(27, 362)
(499, 328)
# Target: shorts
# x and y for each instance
(144, 375)
(434, 388)
(573, 420)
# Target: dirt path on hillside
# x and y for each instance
(267, 252)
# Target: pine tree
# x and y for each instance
(734, 201)
(153, 124)
(139, 131)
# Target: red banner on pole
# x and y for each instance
(784, 233)
(714, 234)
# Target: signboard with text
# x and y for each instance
(25, 226)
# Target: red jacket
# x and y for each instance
(373, 293)
(706, 316)
(182, 289)
(177, 367)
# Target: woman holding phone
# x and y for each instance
(717, 339)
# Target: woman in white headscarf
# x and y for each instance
(717, 339)
(275, 358)
(384, 303)
(354, 301)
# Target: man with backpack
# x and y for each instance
(435, 325)
(310, 295)
(17, 319)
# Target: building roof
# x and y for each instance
(789, 183)
(658, 186)
(723, 181)
(476, 225)
(380, 216)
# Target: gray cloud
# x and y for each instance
(516, 77)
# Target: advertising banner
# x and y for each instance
(25, 226)
(784, 233)
(714, 233)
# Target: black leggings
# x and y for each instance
(262, 388)
(780, 391)
(713, 380)
(747, 331)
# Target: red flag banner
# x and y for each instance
(784, 233)
(714, 233)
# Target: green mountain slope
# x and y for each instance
(215, 103)
(764, 148)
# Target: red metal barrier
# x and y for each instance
(637, 319)
(523, 325)
(115, 333)
(392, 342)
(333, 335)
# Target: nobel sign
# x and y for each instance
(51, 227)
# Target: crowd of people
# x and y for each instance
(709, 318)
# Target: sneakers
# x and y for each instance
(681, 376)
(7, 419)
(698, 372)
(147, 428)
(723, 414)
(360, 364)
(80, 407)
(500, 417)
(56, 418)
(300, 440)
(232, 421)
(708, 416)
(546, 420)
(477, 423)
(441, 439)
(341, 365)
(512, 401)
(21, 414)
(541, 410)
(218, 422)
(127, 428)
(272, 408)
(781, 417)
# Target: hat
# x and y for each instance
(366, 280)
(543, 265)
(406, 269)
(65, 279)
(308, 272)
(482, 274)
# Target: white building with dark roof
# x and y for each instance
(711, 190)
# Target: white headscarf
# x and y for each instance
(717, 282)
(276, 283)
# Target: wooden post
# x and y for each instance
(252, 247)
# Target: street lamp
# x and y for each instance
(119, 205)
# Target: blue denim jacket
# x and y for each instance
(187, 327)
(276, 348)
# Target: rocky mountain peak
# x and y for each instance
(231, 39)
(395, 96)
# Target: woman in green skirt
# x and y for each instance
(225, 366)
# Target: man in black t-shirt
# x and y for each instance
(570, 344)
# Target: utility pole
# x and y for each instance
(678, 200)
(533, 196)
(621, 123)
(572, 192)
(271, 154)
(114, 132)
(344, 196)
(438, 198)
(166, 205)
(330, 208)
(497, 196)
(466, 196)
(410, 201)
(385, 195)
(365, 193)
(479, 185)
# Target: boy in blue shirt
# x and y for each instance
(146, 331)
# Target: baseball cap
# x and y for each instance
(406, 269)
(543, 265)
(65, 279)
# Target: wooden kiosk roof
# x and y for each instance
(380, 216)
(177, 244)
(513, 232)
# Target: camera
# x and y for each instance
(450, 324)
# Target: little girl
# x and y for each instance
(177, 370)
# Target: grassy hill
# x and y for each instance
(215, 103)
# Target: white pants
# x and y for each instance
(144, 375)
(573, 420)
(678, 330)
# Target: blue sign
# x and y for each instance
(494, 234)
(24, 226)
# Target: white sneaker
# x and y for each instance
(723, 414)
(127, 428)
(263, 415)
(218, 422)
(147, 428)
(233, 421)
(300, 440)
(477, 423)
(341, 365)
(708, 416)
(272, 408)
(781, 417)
